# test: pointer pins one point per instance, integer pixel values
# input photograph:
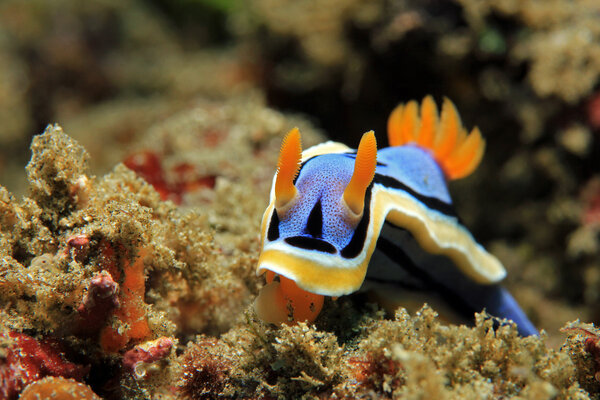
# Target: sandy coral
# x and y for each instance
(117, 243)
(293, 360)
(54, 179)
(255, 361)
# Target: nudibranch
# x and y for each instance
(340, 220)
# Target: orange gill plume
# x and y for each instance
(287, 169)
(457, 152)
(364, 171)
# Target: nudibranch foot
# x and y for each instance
(282, 301)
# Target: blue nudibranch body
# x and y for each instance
(341, 219)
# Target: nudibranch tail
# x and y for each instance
(364, 171)
(282, 301)
(456, 152)
(287, 168)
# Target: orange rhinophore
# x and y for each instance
(364, 171)
(287, 168)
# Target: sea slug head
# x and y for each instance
(316, 207)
